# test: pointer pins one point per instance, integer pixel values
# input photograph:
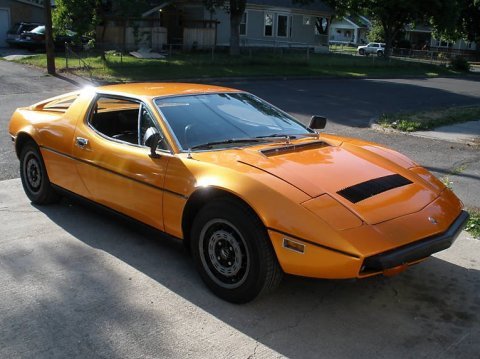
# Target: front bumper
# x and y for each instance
(415, 251)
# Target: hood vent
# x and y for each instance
(370, 188)
(293, 148)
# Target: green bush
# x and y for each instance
(459, 63)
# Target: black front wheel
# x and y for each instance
(34, 176)
(233, 253)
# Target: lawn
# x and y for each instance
(427, 120)
(203, 65)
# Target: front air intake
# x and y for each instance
(371, 188)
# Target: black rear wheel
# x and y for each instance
(34, 176)
(233, 253)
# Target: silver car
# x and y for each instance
(372, 48)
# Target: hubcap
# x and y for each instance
(224, 254)
(33, 173)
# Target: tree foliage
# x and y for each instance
(79, 16)
(376, 33)
(393, 15)
(463, 21)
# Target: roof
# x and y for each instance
(158, 89)
(314, 5)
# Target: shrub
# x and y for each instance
(459, 63)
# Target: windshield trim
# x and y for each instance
(183, 150)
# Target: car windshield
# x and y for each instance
(222, 119)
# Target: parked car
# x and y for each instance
(16, 30)
(377, 48)
(250, 190)
(35, 39)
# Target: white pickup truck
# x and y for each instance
(372, 48)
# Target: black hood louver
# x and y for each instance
(370, 188)
(293, 147)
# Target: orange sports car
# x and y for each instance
(252, 191)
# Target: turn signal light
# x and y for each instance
(294, 246)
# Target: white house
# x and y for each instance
(349, 30)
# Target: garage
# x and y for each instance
(4, 25)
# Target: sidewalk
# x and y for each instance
(467, 132)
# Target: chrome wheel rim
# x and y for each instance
(32, 172)
(224, 254)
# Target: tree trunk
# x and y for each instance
(236, 9)
(235, 20)
(49, 46)
(389, 37)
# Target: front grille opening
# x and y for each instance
(371, 188)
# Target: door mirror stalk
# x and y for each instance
(151, 139)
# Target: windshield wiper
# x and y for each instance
(277, 135)
(225, 142)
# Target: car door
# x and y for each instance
(114, 163)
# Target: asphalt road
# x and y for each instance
(355, 102)
(78, 283)
(21, 86)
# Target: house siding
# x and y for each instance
(303, 33)
(299, 35)
(23, 11)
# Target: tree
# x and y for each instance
(235, 8)
(393, 15)
(462, 23)
(376, 34)
(49, 47)
(79, 16)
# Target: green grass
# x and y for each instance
(343, 48)
(473, 224)
(201, 65)
(427, 120)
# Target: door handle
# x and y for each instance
(81, 142)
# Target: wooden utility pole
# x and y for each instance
(49, 47)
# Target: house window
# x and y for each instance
(282, 25)
(243, 24)
(307, 20)
(268, 24)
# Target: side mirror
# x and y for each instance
(318, 122)
(151, 139)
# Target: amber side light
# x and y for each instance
(294, 246)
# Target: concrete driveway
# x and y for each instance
(79, 283)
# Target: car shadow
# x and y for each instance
(432, 308)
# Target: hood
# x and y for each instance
(372, 187)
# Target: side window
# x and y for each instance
(122, 120)
(116, 118)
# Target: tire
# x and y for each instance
(34, 176)
(232, 252)
(380, 53)
(361, 52)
